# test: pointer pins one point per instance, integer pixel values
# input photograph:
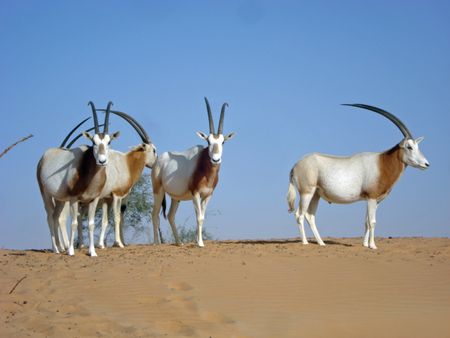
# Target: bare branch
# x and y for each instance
(17, 283)
(14, 144)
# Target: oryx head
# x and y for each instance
(215, 140)
(101, 141)
(411, 153)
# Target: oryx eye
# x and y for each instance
(409, 147)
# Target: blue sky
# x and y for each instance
(284, 67)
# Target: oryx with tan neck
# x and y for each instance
(122, 172)
(363, 176)
(189, 175)
(75, 175)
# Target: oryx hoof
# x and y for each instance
(118, 244)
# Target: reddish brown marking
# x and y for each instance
(88, 175)
(135, 162)
(205, 174)
(391, 167)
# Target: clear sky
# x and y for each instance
(284, 67)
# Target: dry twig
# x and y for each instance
(14, 144)
(17, 283)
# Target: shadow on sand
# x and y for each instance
(279, 241)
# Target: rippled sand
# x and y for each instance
(277, 288)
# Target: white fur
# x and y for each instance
(117, 178)
(175, 170)
(343, 180)
(56, 169)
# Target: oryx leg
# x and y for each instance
(367, 231)
(200, 207)
(123, 207)
(311, 217)
(305, 200)
(81, 213)
(116, 209)
(49, 207)
(157, 202)
(371, 217)
(73, 227)
(62, 225)
(172, 211)
(57, 211)
(91, 226)
(101, 241)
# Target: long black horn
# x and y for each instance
(94, 114)
(79, 135)
(139, 129)
(72, 131)
(135, 124)
(400, 125)
(210, 118)
(108, 109)
(222, 115)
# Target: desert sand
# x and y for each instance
(274, 288)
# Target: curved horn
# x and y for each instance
(79, 135)
(400, 125)
(135, 124)
(72, 131)
(222, 115)
(210, 118)
(108, 109)
(94, 114)
(141, 131)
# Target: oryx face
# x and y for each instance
(412, 155)
(215, 145)
(215, 148)
(100, 146)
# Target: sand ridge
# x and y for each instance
(273, 288)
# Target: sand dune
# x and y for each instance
(276, 288)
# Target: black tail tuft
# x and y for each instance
(163, 209)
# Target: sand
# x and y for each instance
(277, 288)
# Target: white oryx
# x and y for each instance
(122, 172)
(189, 175)
(364, 176)
(75, 175)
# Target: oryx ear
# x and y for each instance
(202, 135)
(87, 135)
(229, 137)
(419, 139)
(115, 135)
